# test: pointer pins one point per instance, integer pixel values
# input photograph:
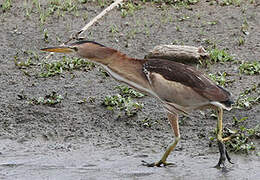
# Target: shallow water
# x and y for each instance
(87, 162)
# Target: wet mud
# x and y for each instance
(72, 140)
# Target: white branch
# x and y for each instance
(109, 8)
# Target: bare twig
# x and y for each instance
(95, 19)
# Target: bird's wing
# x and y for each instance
(187, 76)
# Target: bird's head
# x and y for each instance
(86, 49)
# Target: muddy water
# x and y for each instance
(38, 160)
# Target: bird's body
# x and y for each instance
(180, 88)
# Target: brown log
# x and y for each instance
(183, 54)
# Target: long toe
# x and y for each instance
(157, 164)
(169, 164)
(144, 163)
(228, 158)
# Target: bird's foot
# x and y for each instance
(223, 156)
(157, 164)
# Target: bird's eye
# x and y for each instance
(75, 48)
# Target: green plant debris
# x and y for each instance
(32, 58)
(103, 72)
(184, 18)
(114, 29)
(66, 64)
(126, 91)
(254, 88)
(247, 100)
(53, 7)
(212, 23)
(236, 121)
(242, 138)
(23, 64)
(241, 41)
(230, 2)
(221, 79)
(50, 99)
(147, 122)
(125, 104)
(245, 27)
(220, 55)
(87, 100)
(250, 68)
(131, 33)
(6, 5)
(128, 8)
(102, 3)
(45, 35)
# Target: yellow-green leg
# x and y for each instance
(222, 150)
(173, 118)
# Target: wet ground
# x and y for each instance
(89, 162)
(75, 140)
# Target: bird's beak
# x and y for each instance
(61, 49)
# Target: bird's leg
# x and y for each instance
(173, 118)
(222, 150)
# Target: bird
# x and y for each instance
(178, 87)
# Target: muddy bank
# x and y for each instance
(78, 139)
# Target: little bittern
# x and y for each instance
(180, 88)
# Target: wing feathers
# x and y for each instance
(188, 76)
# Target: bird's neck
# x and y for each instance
(123, 68)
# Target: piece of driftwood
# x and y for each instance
(183, 54)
